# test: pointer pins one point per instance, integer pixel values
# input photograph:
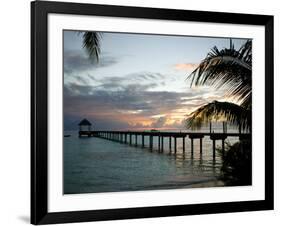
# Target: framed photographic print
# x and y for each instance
(145, 112)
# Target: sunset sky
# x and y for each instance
(139, 82)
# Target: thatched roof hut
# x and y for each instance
(85, 122)
(85, 125)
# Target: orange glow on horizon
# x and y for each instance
(136, 120)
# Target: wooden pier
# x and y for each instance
(126, 137)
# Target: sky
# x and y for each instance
(139, 83)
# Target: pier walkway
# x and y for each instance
(131, 138)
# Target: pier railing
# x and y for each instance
(126, 137)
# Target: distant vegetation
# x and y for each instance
(237, 164)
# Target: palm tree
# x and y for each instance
(91, 42)
(233, 113)
(231, 69)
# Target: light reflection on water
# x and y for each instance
(98, 165)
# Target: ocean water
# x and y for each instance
(98, 165)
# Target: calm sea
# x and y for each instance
(98, 165)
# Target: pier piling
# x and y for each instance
(159, 143)
(183, 144)
(192, 146)
(175, 144)
(170, 144)
(201, 146)
(150, 142)
(222, 147)
(214, 149)
(162, 144)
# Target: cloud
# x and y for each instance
(78, 61)
(160, 122)
(130, 101)
(186, 66)
(132, 106)
(132, 81)
(141, 76)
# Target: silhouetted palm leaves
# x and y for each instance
(216, 110)
(227, 68)
(231, 69)
(91, 42)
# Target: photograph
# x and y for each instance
(140, 112)
(155, 112)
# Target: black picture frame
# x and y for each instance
(39, 112)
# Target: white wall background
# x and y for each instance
(15, 113)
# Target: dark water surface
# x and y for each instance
(98, 165)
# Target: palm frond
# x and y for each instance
(227, 68)
(216, 110)
(91, 42)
